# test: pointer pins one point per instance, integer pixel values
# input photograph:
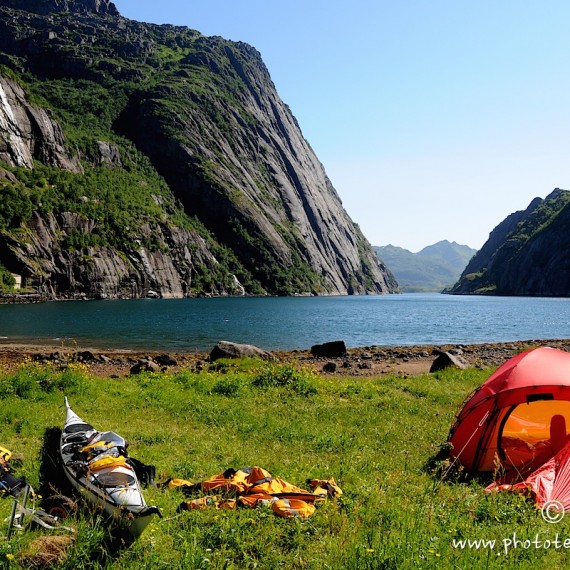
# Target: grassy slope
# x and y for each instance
(374, 436)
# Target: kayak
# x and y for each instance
(96, 464)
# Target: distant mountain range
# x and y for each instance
(434, 268)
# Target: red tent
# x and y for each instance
(519, 418)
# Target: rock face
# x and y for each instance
(268, 182)
(28, 133)
(206, 114)
(527, 254)
(77, 6)
(102, 273)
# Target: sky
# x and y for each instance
(434, 119)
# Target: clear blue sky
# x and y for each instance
(433, 119)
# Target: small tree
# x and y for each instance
(7, 280)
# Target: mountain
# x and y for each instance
(433, 268)
(527, 254)
(149, 160)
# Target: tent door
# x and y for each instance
(532, 433)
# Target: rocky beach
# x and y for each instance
(358, 362)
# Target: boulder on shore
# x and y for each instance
(329, 367)
(333, 349)
(448, 360)
(144, 365)
(227, 349)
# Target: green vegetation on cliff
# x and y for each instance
(526, 254)
(7, 280)
(112, 206)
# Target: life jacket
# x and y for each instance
(282, 507)
(103, 454)
(9, 485)
(175, 483)
(323, 486)
(229, 481)
(206, 502)
(292, 508)
(253, 487)
(261, 481)
(107, 461)
(202, 503)
(255, 481)
(5, 454)
(93, 449)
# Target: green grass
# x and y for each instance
(375, 436)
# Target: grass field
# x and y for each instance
(375, 436)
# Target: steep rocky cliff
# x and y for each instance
(110, 272)
(527, 254)
(28, 133)
(36, 239)
(205, 113)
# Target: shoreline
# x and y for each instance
(411, 360)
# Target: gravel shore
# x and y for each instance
(364, 361)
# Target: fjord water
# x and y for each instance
(286, 323)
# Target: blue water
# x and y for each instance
(287, 323)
